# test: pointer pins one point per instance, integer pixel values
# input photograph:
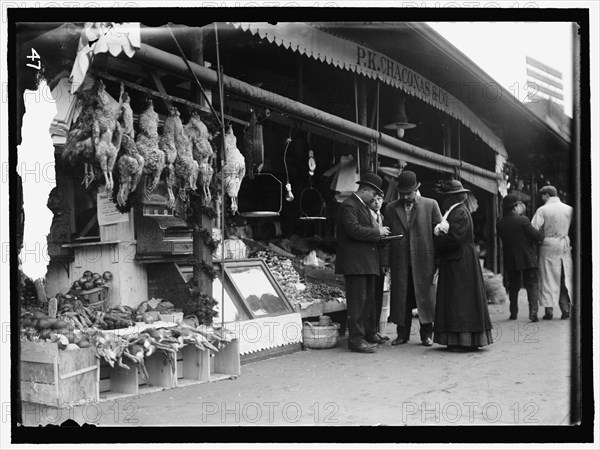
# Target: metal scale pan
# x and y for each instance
(255, 192)
(305, 197)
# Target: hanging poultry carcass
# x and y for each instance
(130, 164)
(186, 169)
(106, 135)
(79, 147)
(147, 144)
(234, 169)
(202, 152)
(167, 145)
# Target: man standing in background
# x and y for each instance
(519, 241)
(555, 261)
(375, 206)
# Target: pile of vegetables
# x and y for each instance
(28, 296)
(285, 274)
(324, 291)
(90, 280)
(290, 282)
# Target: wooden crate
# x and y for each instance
(50, 376)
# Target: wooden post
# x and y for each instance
(494, 233)
(200, 221)
(366, 164)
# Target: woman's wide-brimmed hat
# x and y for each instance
(373, 180)
(453, 187)
(406, 182)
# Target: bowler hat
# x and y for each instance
(453, 187)
(548, 190)
(509, 201)
(373, 180)
(406, 182)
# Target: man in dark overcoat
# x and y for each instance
(519, 244)
(412, 258)
(358, 260)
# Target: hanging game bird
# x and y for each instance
(106, 135)
(79, 147)
(130, 163)
(167, 145)
(202, 152)
(186, 169)
(234, 169)
(147, 144)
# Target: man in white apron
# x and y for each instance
(555, 261)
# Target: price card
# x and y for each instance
(108, 212)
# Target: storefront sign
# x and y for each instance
(400, 76)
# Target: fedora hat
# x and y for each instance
(548, 190)
(373, 180)
(406, 182)
(509, 201)
(453, 187)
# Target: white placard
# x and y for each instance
(108, 212)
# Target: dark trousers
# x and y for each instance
(360, 300)
(527, 278)
(378, 301)
(403, 330)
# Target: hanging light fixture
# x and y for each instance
(400, 121)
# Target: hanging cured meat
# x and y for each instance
(202, 152)
(147, 144)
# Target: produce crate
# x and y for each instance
(192, 366)
(195, 365)
(50, 376)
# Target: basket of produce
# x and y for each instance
(318, 336)
(92, 287)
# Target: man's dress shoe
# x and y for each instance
(364, 348)
(399, 341)
(375, 339)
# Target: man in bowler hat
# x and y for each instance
(519, 243)
(411, 259)
(358, 260)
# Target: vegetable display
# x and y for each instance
(291, 283)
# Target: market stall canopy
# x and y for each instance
(308, 40)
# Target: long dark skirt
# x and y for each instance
(461, 315)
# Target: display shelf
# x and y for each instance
(90, 244)
(192, 366)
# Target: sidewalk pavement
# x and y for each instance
(523, 378)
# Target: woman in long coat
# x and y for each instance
(462, 320)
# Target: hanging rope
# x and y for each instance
(224, 161)
(356, 111)
(287, 144)
(208, 102)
